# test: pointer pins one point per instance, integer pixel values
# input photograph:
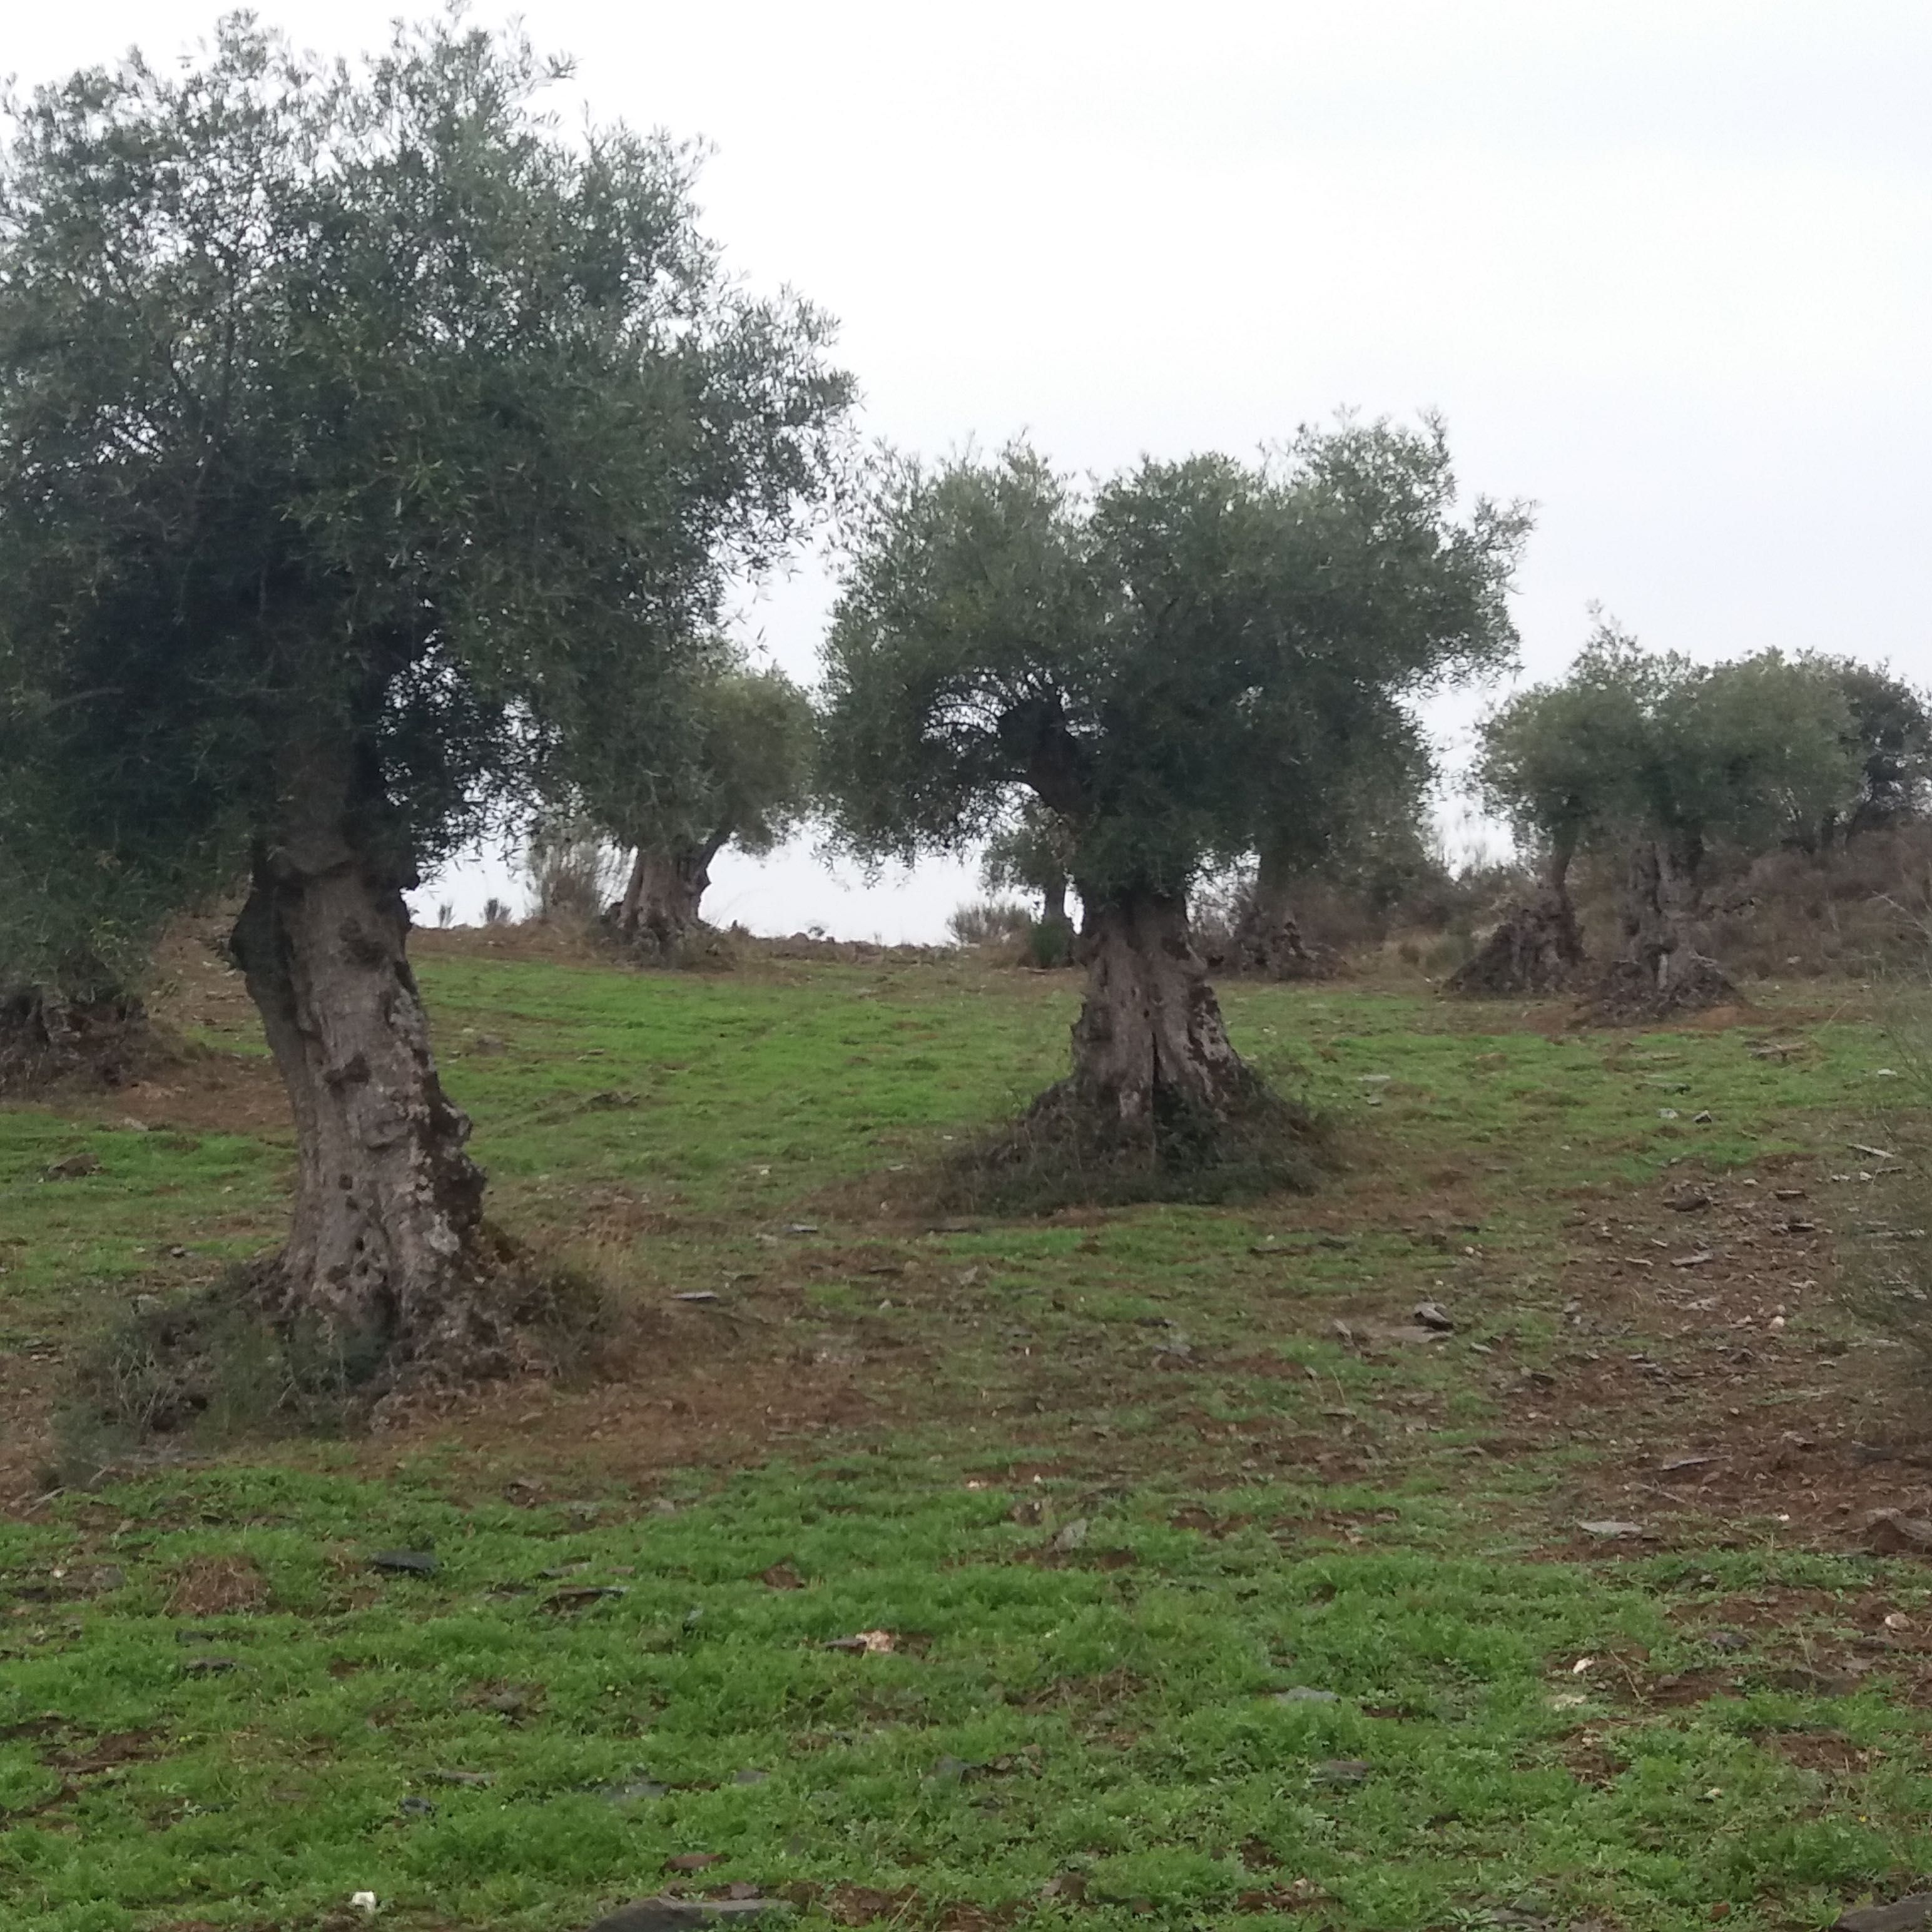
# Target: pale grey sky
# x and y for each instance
(1664, 267)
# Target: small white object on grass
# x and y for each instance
(364, 1901)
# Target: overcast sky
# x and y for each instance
(1664, 268)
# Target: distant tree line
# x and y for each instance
(1663, 766)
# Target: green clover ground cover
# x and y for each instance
(1087, 1715)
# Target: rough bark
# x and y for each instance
(1150, 1050)
(668, 884)
(1660, 968)
(46, 1039)
(1269, 938)
(1159, 1106)
(1536, 947)
(387, 1266)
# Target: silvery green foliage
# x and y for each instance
(357, 406)
(1634, 745)
(1170, 663)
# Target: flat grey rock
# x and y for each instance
(1907, 1914)
(404, 1562)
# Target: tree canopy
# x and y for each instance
(366, 404)
(362, 439)
(1662, 761)
(1890, 735)
(1633, 745)
(744, 780)
(1165, 661)
(1173, 663)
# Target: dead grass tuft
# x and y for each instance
(217, 1586)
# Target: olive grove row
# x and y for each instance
(374, 463)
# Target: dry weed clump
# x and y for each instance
(1860, 910)
(217, 1586)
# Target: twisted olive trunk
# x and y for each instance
(1660, 968)
(1150, 1046)
(666, 886)
(1661, 901)
(385, 1253)
(1269, 938)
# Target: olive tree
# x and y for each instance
(1031, 853)
(1664, 761)
(1557, 762)
(1890, 736)
(361, 436)
(1155, 662)
(745, 782)
(1379, 768)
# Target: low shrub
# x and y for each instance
(989, 922)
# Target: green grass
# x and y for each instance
(1119, 1724)
(1074, 1725)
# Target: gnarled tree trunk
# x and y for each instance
(668, 884)
(45, 1037)
(386, 1261)
(1660, 968)
(1536, 947)
(1269, 938)
(1150, 1050)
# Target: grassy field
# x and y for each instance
(1145, 1567)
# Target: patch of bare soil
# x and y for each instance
(714, 1386)
(206, 1093)
(1829, 1752)
(1705, 1364)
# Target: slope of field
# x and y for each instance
(1149, 1567)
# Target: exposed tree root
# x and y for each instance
(697, 947)
(1064, 1151)
(232, 1361)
